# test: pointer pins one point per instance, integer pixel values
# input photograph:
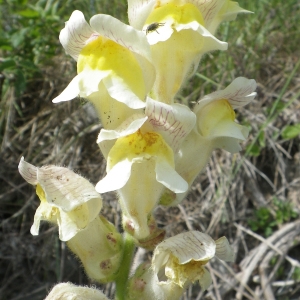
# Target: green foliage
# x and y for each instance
(29, 35)
(266, 220)
(290, 131)
(296, 273)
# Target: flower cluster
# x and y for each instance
(154, 146)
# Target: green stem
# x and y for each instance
(122, 279)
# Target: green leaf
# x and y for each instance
(18, 37)
(29, 13)
(254, 150)
(261, 139)
(7, 63)
(290, 131)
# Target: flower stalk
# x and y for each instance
(123, 275)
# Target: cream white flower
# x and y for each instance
(69, 291)
(113, 65)
(140, 159)
(181, 259)
(67, 199)
(215, 128)
(178, 34)
(213, 11)
(144, 284)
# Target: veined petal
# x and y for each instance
(123, 34)
(174, 122)
(116, 177)
(75, 34)
(65, 189)
(67, 199)
(223, 250)
(209, 9)
(228, 12)
(239, 93)
(181, 259)
(187, 246)
(138, 11)
(166, 175)
(171, 17)
(28, 171)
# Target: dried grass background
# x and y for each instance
(225, 196)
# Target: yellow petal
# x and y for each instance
(104, 54)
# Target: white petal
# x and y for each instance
(75, 34)
(162, 33)
(227, 143)
(211, 43)
(123, 34)
(115, 134)
(205, 280)
(239, 93)
(121, 92)
(38, 217)
(65, 189)
(173, 122)
(116, 178)
(70, 291)
(138, 12)
(67, 228)
(209, 9)
(187, 246)
(228, 12)
(224, 250)
(84, 84)
(28, 171)
(166, 175)
(229, 128)
(70, 92)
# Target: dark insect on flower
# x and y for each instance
(153, 27)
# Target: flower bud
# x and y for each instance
(70, 291)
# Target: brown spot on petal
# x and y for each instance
(139, 284)
(111, 238)
(105, 264)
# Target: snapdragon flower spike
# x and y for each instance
(140, 160)
(178, 38)
(67, 199)
(181, 259)
(113, 65)
(215, 128)
(71, 291)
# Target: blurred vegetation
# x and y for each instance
(259, 188)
